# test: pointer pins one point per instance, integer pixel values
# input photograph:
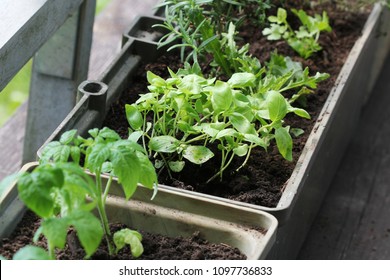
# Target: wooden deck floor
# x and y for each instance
(354, 222)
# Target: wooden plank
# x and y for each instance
(111, 24)
(25, 26)
(353, 222)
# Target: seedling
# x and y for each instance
(189, 113)
(304, 40)
(63, 195)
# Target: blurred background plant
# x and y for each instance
(16, 92)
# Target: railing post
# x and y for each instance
(58, 68)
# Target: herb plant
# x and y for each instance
(201, 26)
(304, 40)
(189, 113)
(63, 195)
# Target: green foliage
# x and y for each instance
(191, 113)
(63, 195)
(304, 40)
(206, 27)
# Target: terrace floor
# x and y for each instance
(354, 221)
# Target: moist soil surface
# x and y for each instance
(263, 178)
(156, 247)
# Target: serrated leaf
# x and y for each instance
(55, 151)
(129, 237)
(134, 117)
(197, 154)
(35, 189)
(96, 156)
(147, 176)
(284, 142)
(68, 136)
(55, 230)
(126, 167)
(109, 134)
(89, 230)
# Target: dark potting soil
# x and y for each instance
(156, 247)
(263, 178)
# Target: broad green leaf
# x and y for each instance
(284, 142)
(89, 230)
(55, 230)
(135, 135)
(36, 188)
(68, 136)
(300, 112)
(96, 156)
(277, 106)
(134, 117)
(227, 132)
(197, 154)
(126, 167)
(55, 151)
(131, 238)
(241, 150)
(154, 79)
(147, 176)
(242, 124)
(164, 144)
(241, 80)
(75, 154)
(221, 96)
(176, 166)
(192, 84)
(31, 252)
(256, 140)
(109, 134)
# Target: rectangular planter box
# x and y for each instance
(218, 223)
(326, 144)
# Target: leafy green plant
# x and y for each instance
(304, 40)
(64, 195)
(200, 26)
(183, 116)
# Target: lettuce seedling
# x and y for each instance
(304, 40)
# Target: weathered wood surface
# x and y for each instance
(354, 221)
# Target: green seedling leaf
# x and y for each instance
(68, 136)
(108, 134)
(197, 154)
(242, 80)
(55, 231)
(296, 132)
(154, 79)
(277, 106)
(89, 230)
(242, 124)
(176, 166)
(7, 182)
(31, 252)
(96, 156)
(134, 117)
(55, 151)
(164, 144)
(241, 150)
(36, 188)
(221, 96)
(126, 166)
(284, 142)
(129, 237)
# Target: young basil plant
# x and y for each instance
(189, 113)
(304, 40)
